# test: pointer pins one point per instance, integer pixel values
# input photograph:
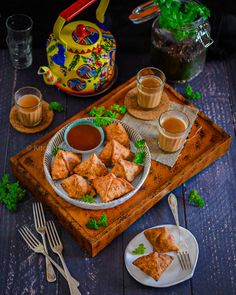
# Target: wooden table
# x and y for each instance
(23, 272)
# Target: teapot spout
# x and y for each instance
(48, 76)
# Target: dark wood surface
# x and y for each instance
(23, 272)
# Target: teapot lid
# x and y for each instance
(81, 36)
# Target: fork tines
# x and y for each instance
(184, 260)
(52, 234)
(39, 218)
(29, 238)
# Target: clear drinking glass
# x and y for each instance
(28, 102)
(150, 84)
(19, 40)
(173, 129)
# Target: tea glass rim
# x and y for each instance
(39, 97)
(163, 81)
(21, 30)
(174, 133)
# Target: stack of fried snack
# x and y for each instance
(109, 174)
(156, 263)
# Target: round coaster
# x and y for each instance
(46, 120)
(136, 111)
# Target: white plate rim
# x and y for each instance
(136, 256)
(96, 206)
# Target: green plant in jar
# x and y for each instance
(180, 36)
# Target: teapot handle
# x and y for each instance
(76, 8)
(69, 13)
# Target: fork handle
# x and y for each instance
(72, 287)
(174, 208)
(62, 272)
(51, 276)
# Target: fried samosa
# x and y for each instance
(64, 164)
(110, 187)
(114, 151)
(154, 264)
(161, 239)
(117, 131)
(91, 168)
(126, 169)
(76, 187)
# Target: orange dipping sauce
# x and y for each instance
(84, 137)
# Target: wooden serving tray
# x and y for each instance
(207, 146)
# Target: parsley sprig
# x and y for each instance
(140, 155)
(195, 199)
(55, 150)
(94, 224)
(190, 94)
(175, 16)
(10, 193)
(139, 250)
(87, 199)
(121, 109)
(56, 106)
(103, 116)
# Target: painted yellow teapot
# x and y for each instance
(80, 54)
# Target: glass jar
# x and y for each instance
(180, 54)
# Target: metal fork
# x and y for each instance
(183, 255)
(57, 247)
(40, 225)
(37, 247)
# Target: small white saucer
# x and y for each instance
(174, 274)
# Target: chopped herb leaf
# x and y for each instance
(97, 111)
(103, 220)
(139, 250)
(102, 121)
(139, 144)
(55, 150)
(139, 158)
(87, 199)
(93, 224)
(10, 193)
(195, 199)
(190, 94)
(121, 109)
(110, 114)
(56, 106)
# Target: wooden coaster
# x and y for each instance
(46, 120)
(136, 111)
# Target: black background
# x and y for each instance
(130, 37)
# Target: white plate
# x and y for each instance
(57, 140)
(174, 274)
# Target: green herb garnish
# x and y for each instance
(121, 109)
(139, 250)
(139, 144)
(10, 193)
(102, 121)
(110, 114)
(93, 224)
(87, 199)
(139, 158)
(56, 106)
(190, 94)
(55, 150)
(196, 199)
(178, 18)
(103, 220)
(97, 111)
